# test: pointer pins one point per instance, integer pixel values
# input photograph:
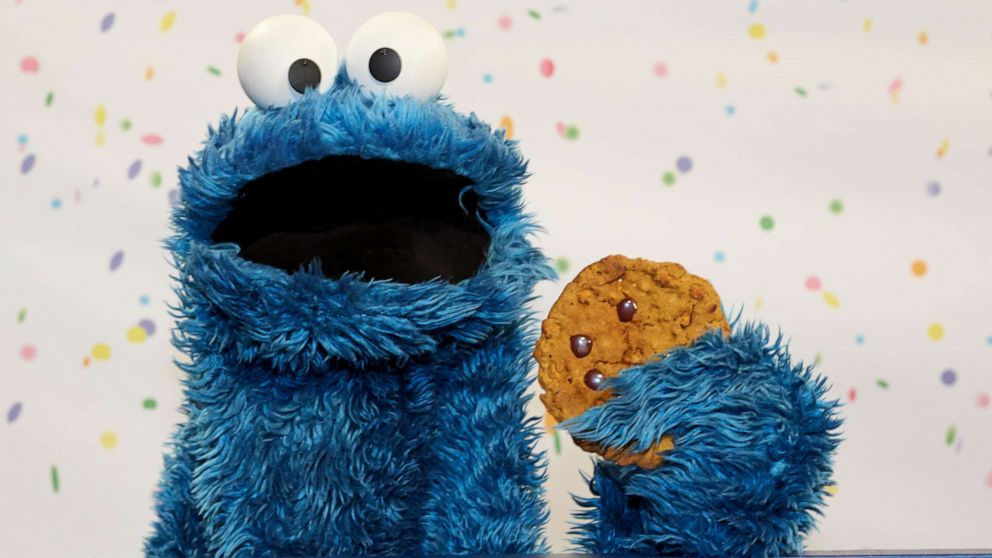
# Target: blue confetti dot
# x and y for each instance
(988, 340)
(933, 188)
(948, 377)
(143, 300)
(719, 256)
(730, 110)
(488, 78)
(56, 203)
(683, 164)
(859, 339)
(22, 139)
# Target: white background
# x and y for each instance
(901, 484)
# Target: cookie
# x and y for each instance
(617, 313)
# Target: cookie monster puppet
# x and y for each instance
(354, 265)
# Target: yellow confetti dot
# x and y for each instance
(452, 4)
(758, 303)
(831, 299)
(923, 37)
(942, 150)
(108, 440)
(100, 351)
(935, 332)
(721, 80)
(149, 73)
(756, 31)
(831, 489)
(866, 26)
(167, 21)
(100, 115)
(773, 57)
(304, 5)
(100, 138)
(137, 334)
(919, 268)
(506, 123)
(549, 421)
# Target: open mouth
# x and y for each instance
(388, 219)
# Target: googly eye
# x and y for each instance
(398, 54)
(283, 56)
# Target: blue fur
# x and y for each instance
(754, 435)
(350, 416)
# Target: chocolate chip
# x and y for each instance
(581, 345)
(626, 309)
(594, 379)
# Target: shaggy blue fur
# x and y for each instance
(351, 416)
(754, 435)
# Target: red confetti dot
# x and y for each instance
(29, 64)
(813, 283)
(983, 400)
(151, 139)
(28, 352)
(505, 23)
(661, 69)
(239, 37)
(547, 67)
(852, 395)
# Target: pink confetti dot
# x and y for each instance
(239, 37)
(547, 67)
(895, 86)
(29, 65)
(661, 69)
(28, 352)
(988, 480)
(813, 283)
(151, 139)
(983, 400)
(505, 22)
(852, 395)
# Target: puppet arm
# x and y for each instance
(176, 532)
(753, 438)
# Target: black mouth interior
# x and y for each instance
(388, 219)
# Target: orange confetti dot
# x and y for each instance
(919, 268)
(149, 73)
(942, 150)
(506, 123)
(773, 57)
(922, 37)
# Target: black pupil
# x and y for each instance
(304, 73)
(384, 65)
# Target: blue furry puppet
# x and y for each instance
(354, 264)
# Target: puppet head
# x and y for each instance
(352, 216)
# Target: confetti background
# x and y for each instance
(827, 164)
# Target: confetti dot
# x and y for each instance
(155, 179)
(752, 7)
(149, 73)
(151, 139)
(668, 178)
(487, 78)
(148, 326)
(107, 22)
(766, 222)
(721, 80)
(730, 110)
(55, 479)
(948, 377)
(859, 339)
(800, 91)
(100, 115)
(100, 351)
(660, 69)
(919, 268)
(831, 299)
(108, 440)
(29, 65)
(988, 480)
(506, 123)
(137, 334)
(988, 340)
(923, 38)
(100, 138)
(239, 37)
(935, 332)
(882, 383)
(133, 169)
(933, 188)
(28, 352)
(534, 14)
(813, 283)
(758, 303)
(22, 315)
(49, 98)
(830, 489)
(149, 403)
(116, 260)
(852, 395)
(173, 196)
(168, 20)
(562, 264)
(773, 57)
(505, 22)
(547, 67)
(942, 150)
(951, 434)
(27, 163)
(569, 132)
(125, 124)
(22, 139)
(213, 70)
(13, 412)
(719, 256)
(56, 203)
(895, 86)
(143, 300)
(756, 31)
(982, 400)
(866, 26)
(683, 164)
(836, 207)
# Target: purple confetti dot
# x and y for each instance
(948, 377)
(27, 164)
(134, 169)
(174, 197)
(14, 412)
(933, 188)
(684, 164)
(107, 22)
(148, 326)
(116, 260)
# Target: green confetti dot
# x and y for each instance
(952, 433)
(557, 441)
(534, 14)
(213, 70)
(448, 34)
(767, 223)
(55, 479)
(836, 207)
(817, 359)
(562, 264)
(155, 179)
(149, 403)
(668, 178)
(22, 315)
(50, 98)
(800, 91)
(125, 124)
(882, 384)
(572, 133)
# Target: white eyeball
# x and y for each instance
(284, 55)
(398, 54)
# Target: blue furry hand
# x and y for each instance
(753, 435)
